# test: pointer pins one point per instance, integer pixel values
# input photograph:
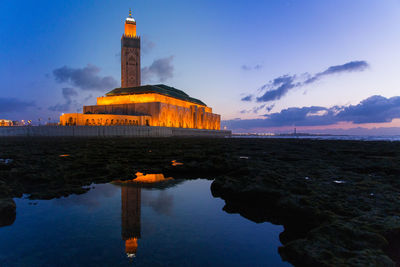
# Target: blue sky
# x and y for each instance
(217, 51)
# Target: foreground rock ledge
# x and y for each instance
(316, 234)
(7, 212)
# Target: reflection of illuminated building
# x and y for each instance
(130, 218)
(147, 105)
(150, 178)
(144, 179)
(130, 214)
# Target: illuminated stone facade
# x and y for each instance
(6, 123)
(148, 105)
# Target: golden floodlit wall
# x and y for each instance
(162, 114)
(170, 116)
(130, 29)
(146, 98)
(181, 117)
(6, 123)
(70, 119)
(124, 110)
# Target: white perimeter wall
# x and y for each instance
(108, 131)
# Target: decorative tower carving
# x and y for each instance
(130, 54)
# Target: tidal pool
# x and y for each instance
(126, 225)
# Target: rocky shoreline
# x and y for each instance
(339, 201)
(7, 212)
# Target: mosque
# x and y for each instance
(143, 105)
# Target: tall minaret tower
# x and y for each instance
(130, 54)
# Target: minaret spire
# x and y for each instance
(130, 54)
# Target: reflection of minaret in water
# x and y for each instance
(130, 218)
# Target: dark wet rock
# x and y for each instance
(324, 226)
(7, 212)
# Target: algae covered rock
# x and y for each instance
(7, 212)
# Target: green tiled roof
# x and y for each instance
(158, 89)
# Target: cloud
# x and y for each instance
(270, 107)
(255, 110)
(348, 67)
(375, 109)
(60, 107)
(87, 98)
(280, 86)
(309, 116)
(68, 94)
(161, 203)
(255, 67)
(160, 70)
(92, 199)
(86, 78)
(247, 98)
(14, 105)
(147, 45)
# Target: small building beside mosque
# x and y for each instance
(143, 105)
(6, 122)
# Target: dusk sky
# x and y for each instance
(265, 66)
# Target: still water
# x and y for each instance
(125, 225)
(391, 138)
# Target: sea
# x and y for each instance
(391, 138)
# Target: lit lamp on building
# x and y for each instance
(130, 26)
